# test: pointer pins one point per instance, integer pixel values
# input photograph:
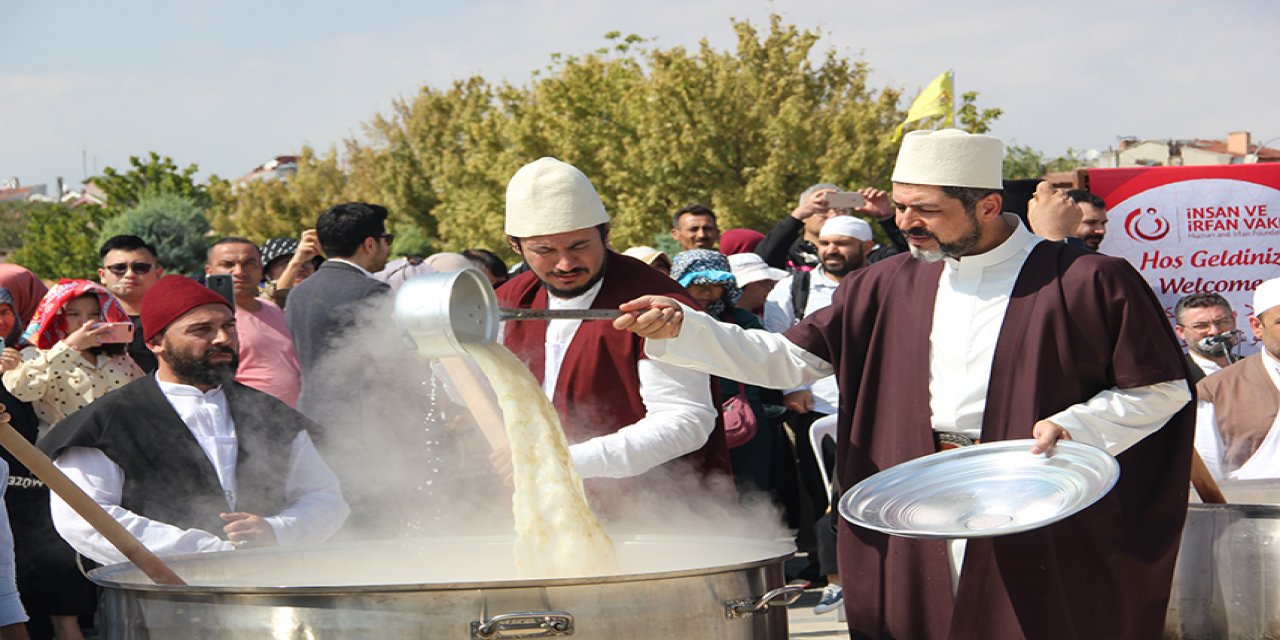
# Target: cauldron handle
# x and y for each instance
(746, 607)
(115, 533)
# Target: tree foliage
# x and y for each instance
(61, 241)
(743, 131)
(174, 224)
(157, 174)
(1024, 163)
(278, 208)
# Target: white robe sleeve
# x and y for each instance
(1116, 419)
(315, 508)
(1208, 442)
(750, 356)
(679, 417)
(103, 480)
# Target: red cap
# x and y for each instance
(170, 298)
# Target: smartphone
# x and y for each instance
(845, 200)
(116, 332)
(221, 285)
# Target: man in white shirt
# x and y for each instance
(1206, 323)
(189, 460)
(623, 414)
(1236, 416)
(983, 332)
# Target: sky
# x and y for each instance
(228, 85)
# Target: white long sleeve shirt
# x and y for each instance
(315, 507)
(679, 413)
(780, 315)
(973, 295)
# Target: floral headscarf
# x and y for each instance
(49, 325)
(704, 266)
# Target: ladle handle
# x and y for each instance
(115, 533)
(558, 314)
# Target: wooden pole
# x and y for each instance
(1203, 481)
(91, 511)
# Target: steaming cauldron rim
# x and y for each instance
(781, 550)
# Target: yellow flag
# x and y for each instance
(936, 100)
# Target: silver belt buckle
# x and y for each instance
(954, 439)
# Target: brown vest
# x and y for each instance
(598, 390)
(1245, 403)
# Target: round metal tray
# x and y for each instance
(985, 490)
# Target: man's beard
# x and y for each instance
(846, 266)
(565, 294)
(960, 248)
(1092, 242)
(199, 370)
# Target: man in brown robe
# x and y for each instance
(984, 331)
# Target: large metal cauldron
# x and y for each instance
(685, 587)
(1227, 584)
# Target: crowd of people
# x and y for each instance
(200, 412)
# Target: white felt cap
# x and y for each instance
(548, 196)
(848, 226)
(950, 158)
(645, 254)
(1266, 296)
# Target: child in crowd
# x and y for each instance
(70, 356)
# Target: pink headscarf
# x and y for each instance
(49, 325)
(26, 288)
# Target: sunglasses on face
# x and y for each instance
(122, 268)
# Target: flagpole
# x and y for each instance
(954, 122)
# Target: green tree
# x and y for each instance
(13, 219)
(155, 174)
(175, 225)
(61, 241)
(744, 131)
(1025, 163)
(278, 208)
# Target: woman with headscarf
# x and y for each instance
(52, 589)
(24, 288)
(68, 360)
(707, 276)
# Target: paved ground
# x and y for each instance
(810, 627)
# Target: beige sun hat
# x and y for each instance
(548, 196)
(750, 267)
(950, 158)
(646, 254)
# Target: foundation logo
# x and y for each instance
(1146, 225)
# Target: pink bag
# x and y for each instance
(739, 419)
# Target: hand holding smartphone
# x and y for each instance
(115, 332)
(845, 200)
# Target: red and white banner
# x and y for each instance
(1193, 229)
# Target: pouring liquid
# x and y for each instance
(557, 535)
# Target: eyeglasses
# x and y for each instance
(389, 237)
(1220, 323)
(122, 268)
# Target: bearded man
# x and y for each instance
(623, 414)
(984, 331)
(187, 459)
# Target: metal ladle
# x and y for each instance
(439, 312)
